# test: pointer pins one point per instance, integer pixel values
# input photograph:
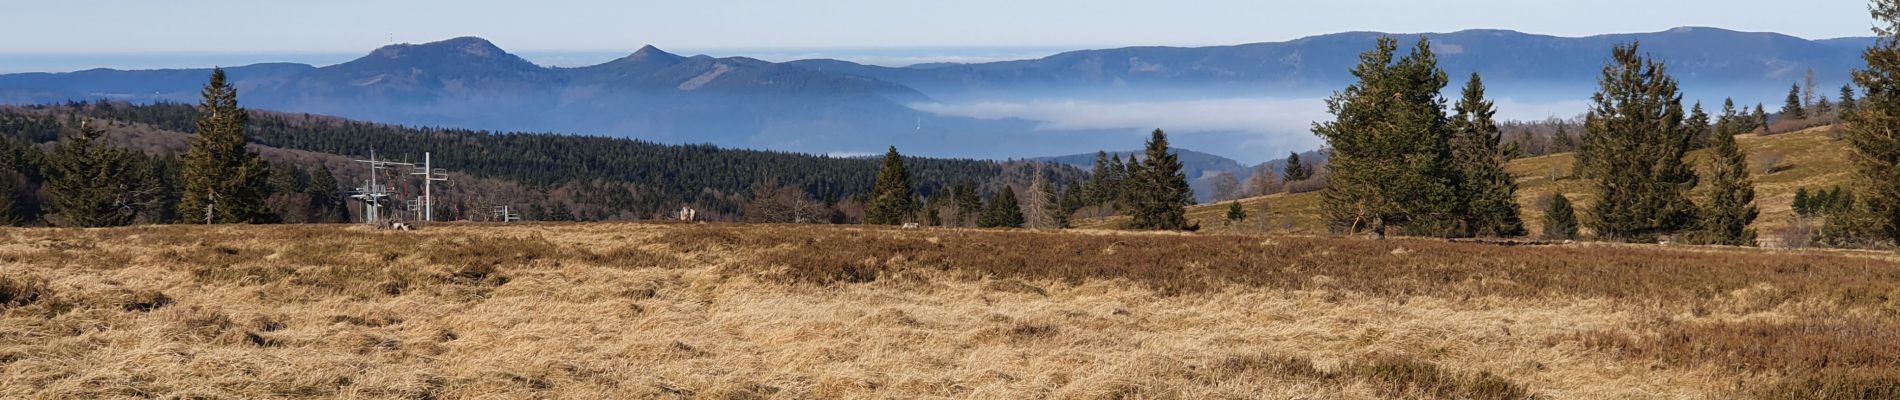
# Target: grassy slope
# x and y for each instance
(744, 311)
(1809, 158)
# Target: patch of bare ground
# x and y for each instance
(769, 311)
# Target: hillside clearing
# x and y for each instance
(1809, 158)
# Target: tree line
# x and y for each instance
(1400, 160)
(570, 177)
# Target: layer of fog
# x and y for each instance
(1250, 130)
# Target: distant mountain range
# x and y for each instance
(838, 107)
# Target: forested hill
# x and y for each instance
(587, 177)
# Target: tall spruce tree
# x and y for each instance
(1637, 116)
(224, 181)
(891, 198)
(326, 201)
(1731, 204)
(1793, 109)
(1003, 212)
(1097, 190)
(1119, 173)
(1488, 192)
(1157, 189)
(1040, 207)
(1847, 100)
(1295, 169)
(1560, 219)
(1391, 157)
(92, 184)
(1873, 130)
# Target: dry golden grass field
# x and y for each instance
(592, 311)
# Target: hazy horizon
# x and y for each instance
(103, 26)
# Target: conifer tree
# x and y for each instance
(1562, 139)
(1873, 130)
(92, 184)
(1003, 211)
(1391, 158)
(9, 184)
(1122, 172)
(1793, 110)
(891, 198)
(1157, 189)
(1847, 100)
(968, 202)
(224, 182)
(1235, 213)
(1488, 192)
(1097, 190)
(1731, 204)
(1803, 203)
(1637, 116)
(1295, 169)
(1699, 125)
(1040, 206)
(1560, 220)
(1054, 207)
(326, 203)
(1729, 123)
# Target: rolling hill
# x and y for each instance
(1809, 158)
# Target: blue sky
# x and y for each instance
(102, 26)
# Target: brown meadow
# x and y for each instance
(749, 311)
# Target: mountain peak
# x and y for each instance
(650, 53)
(466, 46)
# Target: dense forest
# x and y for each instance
(547, 176)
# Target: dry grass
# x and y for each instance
(730, 311)
(1810, 158)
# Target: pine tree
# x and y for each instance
(1295, 169)
(92, 184)
(9, 184)
(1637, 116)
(1097, 190)
(1793, 110)
(224, 181)
(1040, 206)
(1560, 220)
(1729, 123)
(968, 202)
(1235, 213)
(1803, 204)
(1699, 123)
(326, 205)
(1873, 130)
(1391, 155)
(1053, 205)
(1157, 189)
(1731, 204)
(1119, 175)
(1003, 211)
(1488, 193)
(1562, 139)
(1847, 100)
(891, 199)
